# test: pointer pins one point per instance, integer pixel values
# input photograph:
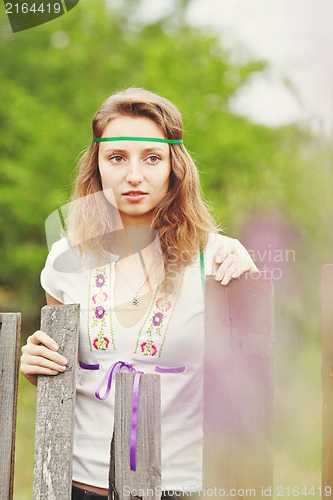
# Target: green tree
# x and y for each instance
(55, 76)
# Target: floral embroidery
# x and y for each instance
(99, 321)
(100, 280)
(154, 326)
(153, 332)
(163, 304)
(99, 312)
(101, 343)
(148, 348)
(99, 297)
(157, 319)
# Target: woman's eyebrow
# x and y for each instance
(114, 150)
(155, 149)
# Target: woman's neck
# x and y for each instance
(130, 240)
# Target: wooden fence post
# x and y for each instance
(55, 409)
(147, 476)
(327, 380)
(10, 328)
(238, 387)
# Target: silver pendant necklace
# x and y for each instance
(135, 300)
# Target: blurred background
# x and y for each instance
(253, 81)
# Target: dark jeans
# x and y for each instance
(79, 494)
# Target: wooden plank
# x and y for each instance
(239, 386)
(10, 327)
(145, 481)
(327, 380)
(55, 409)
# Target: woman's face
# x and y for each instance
(136, 174)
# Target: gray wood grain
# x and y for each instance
(10, 327)
(55, 409)
(239, 385)
(146, 479)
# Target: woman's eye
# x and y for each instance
(116, 159)
(154, 159)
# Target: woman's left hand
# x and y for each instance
(228, 264)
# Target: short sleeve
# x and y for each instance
(51, 279)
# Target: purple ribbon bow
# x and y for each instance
(135, 401)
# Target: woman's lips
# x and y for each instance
(134, 196)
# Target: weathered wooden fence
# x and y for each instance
(55, 409)
(146, 478)
(238, 401)
(327, 380)
(9, 354)
(239, 387)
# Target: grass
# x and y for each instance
(25, 435)
(298, 424)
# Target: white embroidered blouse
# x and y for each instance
(171, 335)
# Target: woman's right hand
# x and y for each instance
(40, 357)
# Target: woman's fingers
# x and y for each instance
(227, 269)
(228, 265)
(38, 365)
(40, 357)
(42, 346)
(40, 337)
(221, 255)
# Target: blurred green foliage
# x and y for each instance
(54, 77)
(261, 181)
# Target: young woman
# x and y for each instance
(139, 240)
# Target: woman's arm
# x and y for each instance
(51, 301)
(39, 354)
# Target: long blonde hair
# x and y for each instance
(182, 220)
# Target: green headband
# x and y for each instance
(143, 139)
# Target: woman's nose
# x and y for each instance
(134, 173)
